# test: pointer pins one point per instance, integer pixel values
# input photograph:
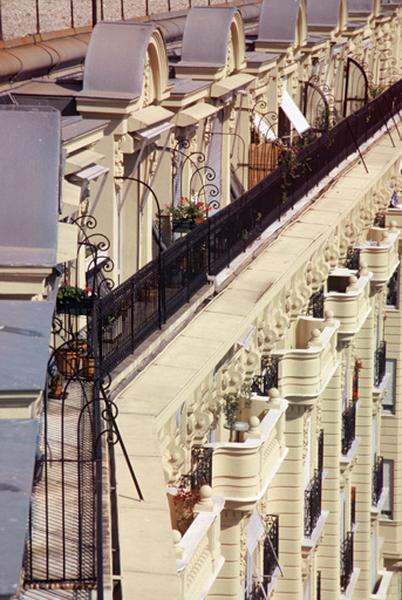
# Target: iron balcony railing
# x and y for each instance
(270, 560)
(201, 467)
(312, 503)
(318, 586)
(147, 299)
(261, 384)
(271, 549)
(380, 363)
(316, 304)
(392, 289)
(320, 451)
(348, 428)
(352, 261)
(378, 479)
(346, 561)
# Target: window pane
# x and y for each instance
(390, 369)
(388, 483)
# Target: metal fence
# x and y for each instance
(135, 309)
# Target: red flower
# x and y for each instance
(88, 291)
(198, 220)
(200, 204)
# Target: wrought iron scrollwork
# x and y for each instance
(319, 105)
(205, 174)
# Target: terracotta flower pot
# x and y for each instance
(67, 362)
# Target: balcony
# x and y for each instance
(379, 253)
(312, 503)
(378, 480)
(348, 428)
(346, 561)
(198, 551)
(380, 362)
(306, 368)
(242, 470)
(348, 297)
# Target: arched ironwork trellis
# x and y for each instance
(264, 150)
(66, 531)
(356, 87)
(201, 171)
(318, 105)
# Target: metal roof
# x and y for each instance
(24, 344)
(30, 138)
(18, 443)
(205, 36)
(278, 20)
(323, 13)
(116, 57)
(360, 5)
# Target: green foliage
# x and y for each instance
(68, 294)
(187, 210)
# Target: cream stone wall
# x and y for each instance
(269, 295)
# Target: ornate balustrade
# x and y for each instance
(348, 297)
(379, 253)
(305, 370)
(241, 471)
(199, 557)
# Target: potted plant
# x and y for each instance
(73, 299)
(187, 214)
(66, 361)
(88, 368)
(231, 409)
(56, 387)
(184, 502)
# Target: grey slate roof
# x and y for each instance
(205, 36)
(29, 139)
(116, 58)
(75, 126)
(360, 5)
(278, 20)
(18, 442)
(323, 13)
(24, 344)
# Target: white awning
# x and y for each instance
(263, 127)
(294, 114)
(255, 530)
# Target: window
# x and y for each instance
(388, 483)
(353, 507)
(388, 402)
(392, 290)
